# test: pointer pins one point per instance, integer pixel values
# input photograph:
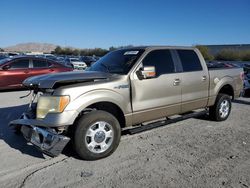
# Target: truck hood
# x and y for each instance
(50, 81)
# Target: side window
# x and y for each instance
(189, 60)
(40, 63)
(161, 60)
(20, 64)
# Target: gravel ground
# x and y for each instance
(192, 153)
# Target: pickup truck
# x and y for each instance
(124, 88)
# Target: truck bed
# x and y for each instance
(224, 73)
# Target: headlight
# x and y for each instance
(51, 104)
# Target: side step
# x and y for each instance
(161, 123)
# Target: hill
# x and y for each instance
(31, 47)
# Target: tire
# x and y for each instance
(221, 109)
(97, 135)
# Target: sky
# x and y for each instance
(106, 23)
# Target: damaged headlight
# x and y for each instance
(51, 104)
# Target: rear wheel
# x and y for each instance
(221, 109)
(97, 135)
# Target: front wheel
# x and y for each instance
(221, 109)
(97, 135)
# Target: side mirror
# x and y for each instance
(146, 72)
(6, 67)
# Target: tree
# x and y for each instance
(98, 52)
(112, 48)
(245, 55)
(1, 50)
(57, 50)
(76, 52)
(205, 52)
(83, 52)
(228, 55)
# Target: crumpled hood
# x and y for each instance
(49, 81)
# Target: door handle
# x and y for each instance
(26, 71)
(177, 81)
(204, 78)
(51, 70)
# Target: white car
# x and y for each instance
(77, 63)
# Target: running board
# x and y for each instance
(142, 128)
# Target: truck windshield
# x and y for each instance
(117, 62)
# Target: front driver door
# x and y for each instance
(156, 97)
(18, 71)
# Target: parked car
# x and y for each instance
(219, 64)
(3, 56)
(13, 54)
(97, 58)
(245, 76)
(50, 56)
(89, 60)
(76, 63)
(124, 88)
(13, 71)
(60, 59)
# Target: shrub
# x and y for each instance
(245, 55)
(233, 55)
(228, 55)
(205, 52)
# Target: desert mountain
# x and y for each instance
(31, 47)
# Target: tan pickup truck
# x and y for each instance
(126, 87)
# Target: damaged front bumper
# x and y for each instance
(46, 139)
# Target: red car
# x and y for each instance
(13, 71)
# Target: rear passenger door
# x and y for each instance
(194, 80)
(159, 96)
(41, 66)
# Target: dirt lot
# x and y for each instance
(190, 153)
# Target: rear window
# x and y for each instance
(189, 60)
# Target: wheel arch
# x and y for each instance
(227, 89)
(105, 100)
(109, 107)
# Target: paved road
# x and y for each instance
(189, 153)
